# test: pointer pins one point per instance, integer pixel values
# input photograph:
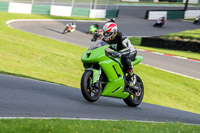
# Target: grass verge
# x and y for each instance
(27, 55)
(189, 35)
(85, 126)
(170, 90)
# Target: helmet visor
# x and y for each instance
(107, 34)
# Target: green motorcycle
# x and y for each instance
(92, 29)
(104, 76)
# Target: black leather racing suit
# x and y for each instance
(122, 44)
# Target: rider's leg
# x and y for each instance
(126, 62)
(72, 30)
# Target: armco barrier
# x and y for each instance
(146, 0)
(191, 14)
(20, 8)
(191, 1)
(60, 10)
(4, 6)
(112, 13)
(177, 1)
(140, 0)
(56, 10)
(97, 13)
(41, 9)
(157, 42)
(168, 14)
(153, 15)
(131, 0)
(175, 14)
(80, 12)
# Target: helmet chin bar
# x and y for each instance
(110, 37)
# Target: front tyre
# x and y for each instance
(135, 99)
(88, 89)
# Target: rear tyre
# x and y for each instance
(88, 89)
(195, 22)
(135, 99)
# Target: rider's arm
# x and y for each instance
(125, 45)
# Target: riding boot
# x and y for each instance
(132, 80)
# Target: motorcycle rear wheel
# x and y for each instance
(195, 22)
(89, 91)
(134, 100)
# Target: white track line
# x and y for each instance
(89, 119)
(64, 20)
(50, 20)
(185, 58)
(172, 72)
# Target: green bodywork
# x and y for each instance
(92, 29)
(115, 76)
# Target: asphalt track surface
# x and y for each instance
(21, 97)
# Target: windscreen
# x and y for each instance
(97, 45)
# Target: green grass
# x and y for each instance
(170, 90)
(32, 56)
(38, 57)
(185, 35)
(136, 42)
(84, 126)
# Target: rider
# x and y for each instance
(111, 20)
(73, 26)
(119, 42)
(96, 25)
(162, 19)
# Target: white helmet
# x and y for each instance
(109, 31)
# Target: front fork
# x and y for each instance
(96, 76)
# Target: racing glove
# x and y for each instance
(116, 54)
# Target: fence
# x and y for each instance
(175, 14)
(91, 4)
(81, 8)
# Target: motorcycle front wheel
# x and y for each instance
(136, 98)
(64, 31)
(88, 89)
